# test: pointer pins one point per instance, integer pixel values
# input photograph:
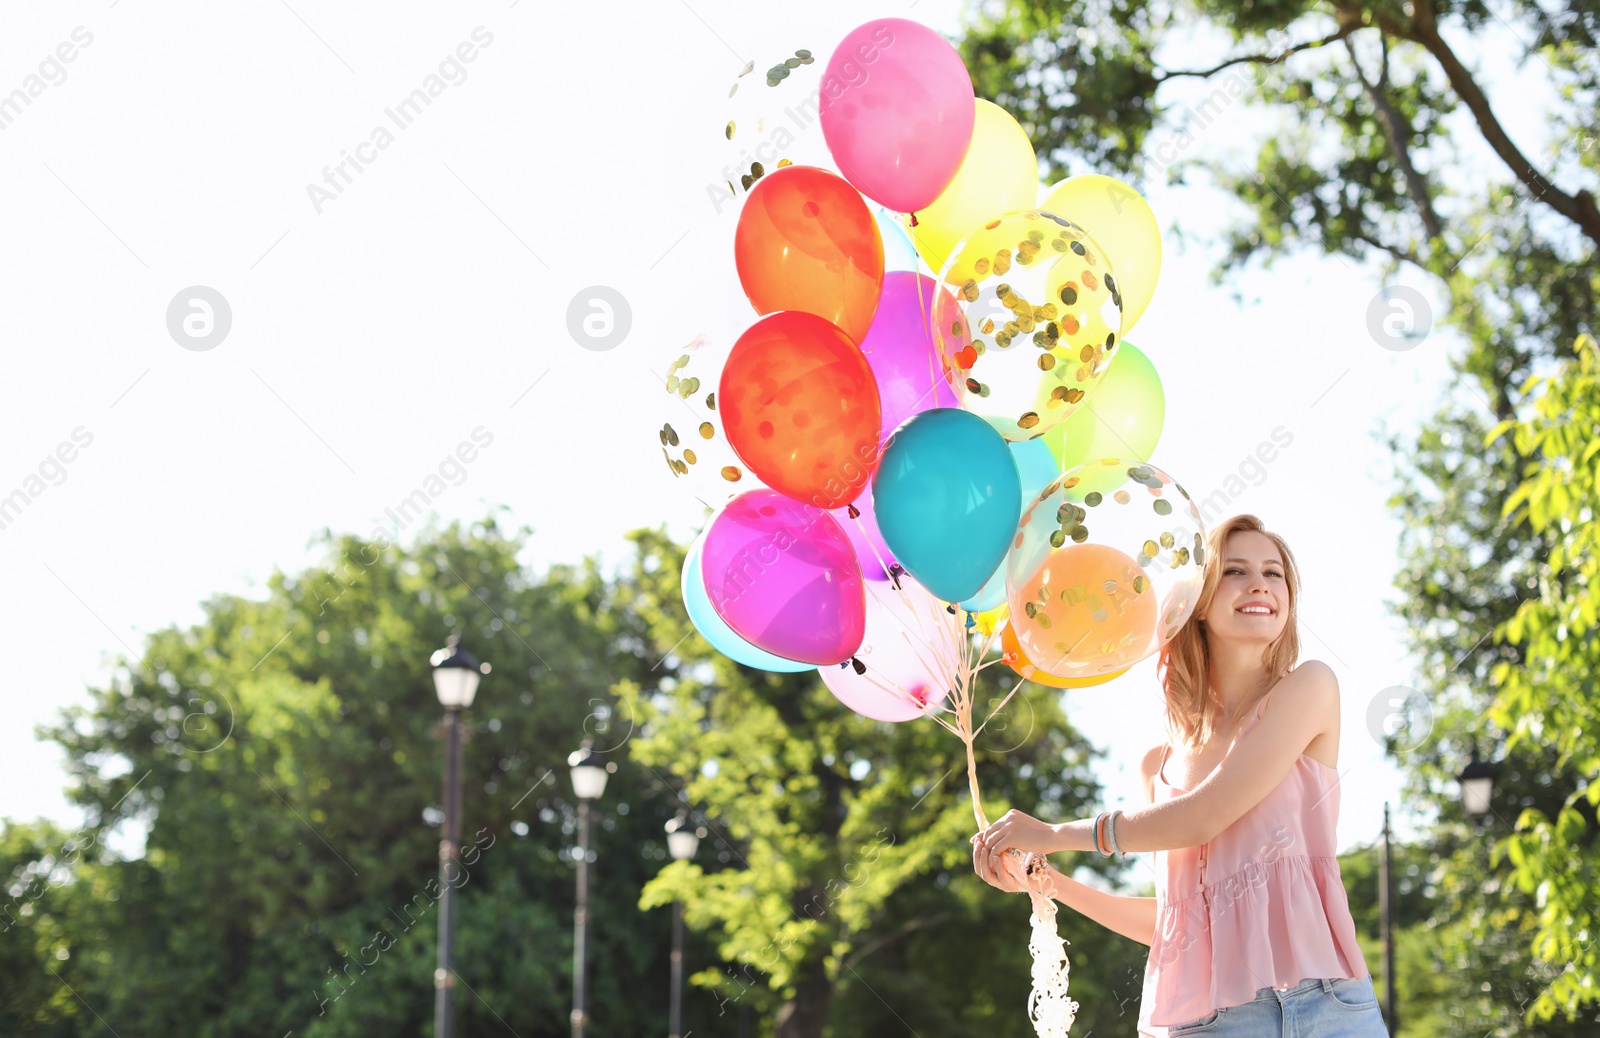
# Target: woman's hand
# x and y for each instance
(1019, 831)
(1003, 872)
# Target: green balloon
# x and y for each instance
(1121, 418)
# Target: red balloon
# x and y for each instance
(806, 241)
(800, 407)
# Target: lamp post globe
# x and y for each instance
(682, 840)
(588, 773)
(456, 673)
(1477, 786)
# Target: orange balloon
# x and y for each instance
(1086, 611)
(806, 241)
(1018, 661)
(800, 407)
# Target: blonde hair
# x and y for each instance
(1185, 662)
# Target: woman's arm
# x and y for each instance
(1132, 917)
(1306, 704)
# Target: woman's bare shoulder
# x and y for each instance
(1309, 683)
(1149, 767)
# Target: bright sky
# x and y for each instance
(375, 329)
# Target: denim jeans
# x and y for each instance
(1314, 1008)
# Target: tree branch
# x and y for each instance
(1405, 255)
(1580, 207)
(1397, 130)
(1257, 59)
(900, 931)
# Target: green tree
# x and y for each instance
(279, 756)
(1549, 701)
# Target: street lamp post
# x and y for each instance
(588, 782)
(682, 842)
(455, 680)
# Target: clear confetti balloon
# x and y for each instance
(1098, 581)
(1035, 322)
(690, 428)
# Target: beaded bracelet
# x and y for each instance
(1111, 831)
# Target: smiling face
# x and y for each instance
(1252, 599)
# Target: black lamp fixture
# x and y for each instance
(455, 675)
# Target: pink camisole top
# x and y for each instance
(1261, 905)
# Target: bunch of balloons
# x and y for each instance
(934, 411)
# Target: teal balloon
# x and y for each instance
(1036, 468)
(716, 631)
(948, 498)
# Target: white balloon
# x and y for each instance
(910, 652)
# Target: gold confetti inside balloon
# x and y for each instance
(689, 426)
(1097, 582)
(1039, 321)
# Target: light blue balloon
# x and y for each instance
(716, 631)
(1036, 467)
(898, 252)
(948, 498)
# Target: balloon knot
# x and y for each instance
(913, 219)
(860, 668)
(971, 623)
(951, 609)
(855, 513)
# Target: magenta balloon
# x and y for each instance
(897, 109)
(901, 351)
(865, 538)
(784, 577)
(909, 651)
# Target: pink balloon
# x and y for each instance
(909, 650)
(784, 577)
(865, 539)
(897, 108)
(901, 351)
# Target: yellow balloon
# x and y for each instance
(999, 175)
(989, 619)
(1119, 219)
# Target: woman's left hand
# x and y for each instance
(1017, 830)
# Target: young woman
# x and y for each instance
(1249, 932)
